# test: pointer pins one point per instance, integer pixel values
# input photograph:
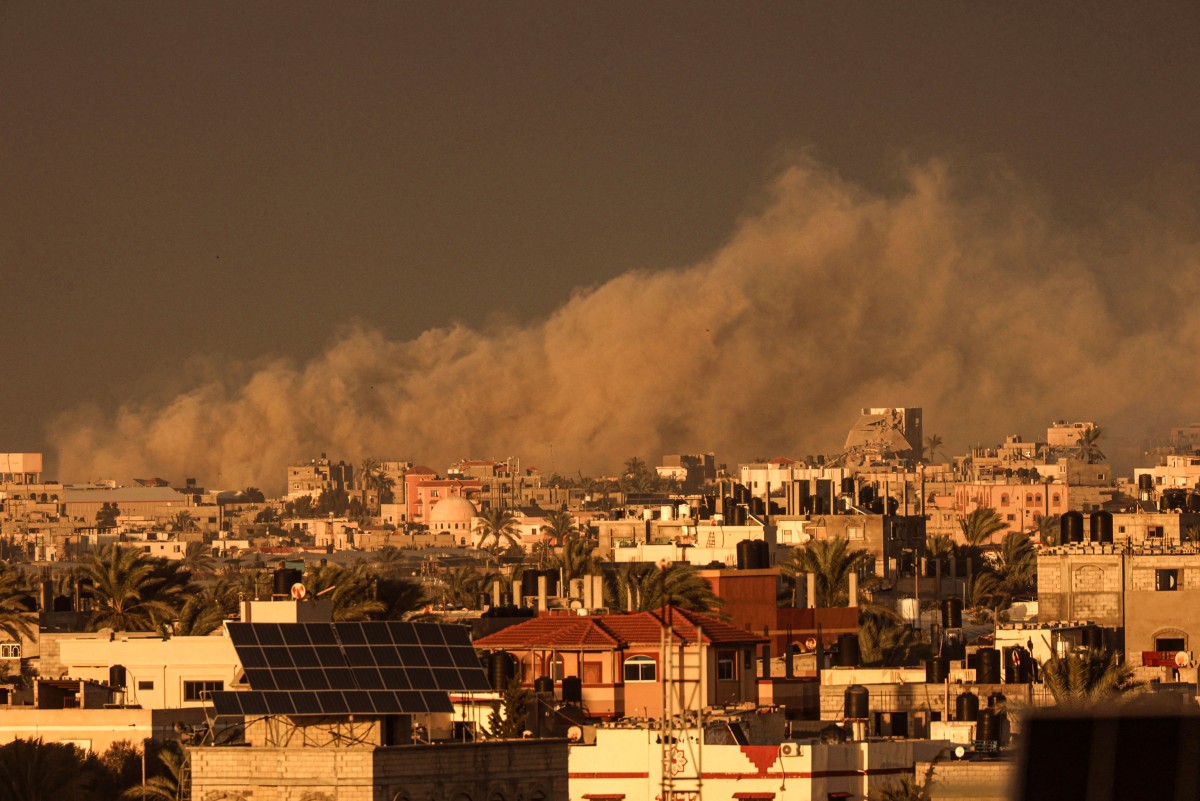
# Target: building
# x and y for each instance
(423, 489)
(362, 711)
(20, 468)
(1149, 595)
(623, 666)
(318, 476)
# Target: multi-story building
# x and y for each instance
(318, 476)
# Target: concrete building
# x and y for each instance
(1150, 595)
(317, 476)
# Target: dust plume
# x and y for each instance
(953, 293)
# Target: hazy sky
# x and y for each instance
(192, 190)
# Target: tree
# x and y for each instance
(204, 612)
(169, 784)
(16, 604)
(1087, 447)
(829, 563)
(351, 589)
(1015, 565)
(507, 720)
(131, 591)
(464, 585)
(885, 641)
(31, 770)
(577, 557)
(638, 477)
(643, 587)
(302, 507)
(932, 444)
(183, 520)
(254, 495)
(1048, 528)
(198, 558)
(375, 482)
(979, 526)
(106, 515)
(496, 524)
(1087, 678)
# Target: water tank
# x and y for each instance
(966, 707)
(987, 726)
(848, 486)
(952, 613)
(116, 676)
(866, 496)
(543, 685)
(572, 690)
(849, 654)
(283, 580)
(685, 511)
(1193, 502)
(753, 555)
(1101, 527)
(666, 513)
(1173, 499)
(1145, 482)
(500, 669)
(529, 582)
(996, 702)
(987, 666)
(937, 670)
(1070, 528)
(858, 702)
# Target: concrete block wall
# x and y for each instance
(470, 771)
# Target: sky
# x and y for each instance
(234, 235)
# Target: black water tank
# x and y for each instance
(572, 690)
(952, 613)
(753, 555)
(866, 496)
(529, 582)
(543, 685)
(987, 726)
(1101, 527)
(937, 670)
(849, 654)
(116, 676)
(1070, 527)
(858, 702)
(500, 669)
(284, 578)
(1172, 499)
(987, 666)
(966, 707)
(848, 486)
(1193, 502)
(1145, 482)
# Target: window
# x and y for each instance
(1154, 531)
(640, 668)
(556, 667)
(200, 690)
(1166, 580)
(1004, 500)
(726, 666)
(1010, 517)
(1169, 644)
(145, 685)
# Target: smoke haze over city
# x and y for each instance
(952, 292)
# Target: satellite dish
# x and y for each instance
(959, 752)
(1182, 659)
(298, 591)
(811, 643)
(574, 734)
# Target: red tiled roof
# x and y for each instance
(605, 632)
(556, 631)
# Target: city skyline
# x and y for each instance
(582, 234)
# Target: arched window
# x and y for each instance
(640, 668)
(1054, 499)
(1004, 500)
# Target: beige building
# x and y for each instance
(1149, 594)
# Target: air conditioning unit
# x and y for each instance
(10, 650)
(789, 749)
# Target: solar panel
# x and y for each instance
(374, 667)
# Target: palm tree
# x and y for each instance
(886, 642)
(1015, 564)
(1048, 528)
(375, 482)
(31, 770)
(637, 476)
(204, 612)
(829, 563)
(932, 443)
(577, 557)
(1086, 447)
(183, 520)
(559, 525)
(1087, 678)
(464, 585)
(642, 587)
(17, 604)
(168, 785)
(254, 495)
(198, 558)
(979, 526)
(351, 589)
(132, 592)
(496, 524)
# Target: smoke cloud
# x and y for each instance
(953, 293)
